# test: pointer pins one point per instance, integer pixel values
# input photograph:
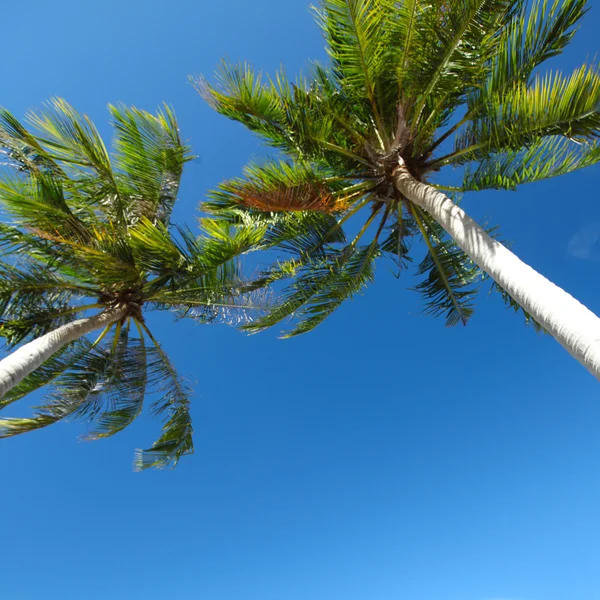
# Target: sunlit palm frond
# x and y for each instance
(150, 156)
(455, 41)
(535, 33)
(554, 104)
(548, 157)
(241, 94)
(71, 138)
(304, 119)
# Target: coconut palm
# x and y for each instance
(88, 246)
(414, 89)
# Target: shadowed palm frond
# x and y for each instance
(447, 289)
(125, 388)
(511, 303)
(78, 391)
(173, 404)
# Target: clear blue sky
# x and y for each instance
(381, 457)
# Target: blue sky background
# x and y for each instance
(380, 457)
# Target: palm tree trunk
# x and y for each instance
(16, 366)
(575, 327)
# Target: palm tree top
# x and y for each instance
(433, 84)
(83, 229)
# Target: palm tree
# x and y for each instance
(88, 246)
(414, 88)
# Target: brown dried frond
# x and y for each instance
(303, 197)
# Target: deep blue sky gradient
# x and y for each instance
(381, 457)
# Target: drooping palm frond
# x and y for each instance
(173, 404)
(448, 288)
(322, 281)
(349, 276)
(396, 244)
(124, 389)
(313, 280)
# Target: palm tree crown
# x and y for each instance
(81, 231)
(406, 78)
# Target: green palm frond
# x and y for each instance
(305, 120)
(350, 275)
(352, 30)
(548, 157)
(552, 105)
(322, 283)
(150, 156)
(71, 138)
(447, 289)
(536, 33)
(39, 204)
(320, 288)
(24, 151)
(176, 439)
(240, 94)
(125, 388)
(20, 287)
(155, 249)
(223, 242)
(456, 40)
(396, 244)
(309, 280)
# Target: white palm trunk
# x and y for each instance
(16, 366)
(575, 327)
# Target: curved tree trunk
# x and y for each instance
(575, 327)
(16, 366)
